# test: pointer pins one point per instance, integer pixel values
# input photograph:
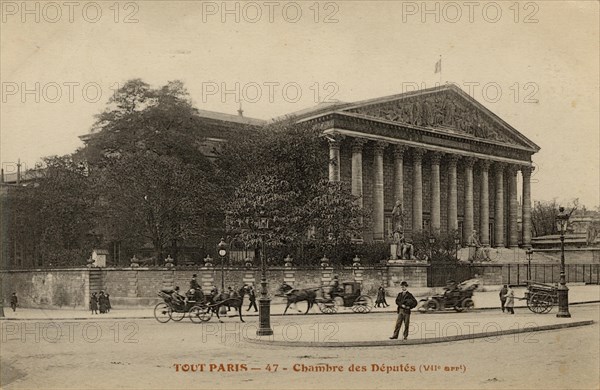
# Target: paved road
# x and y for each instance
(145, 354)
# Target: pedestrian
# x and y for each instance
(102, 304)
(108, 306)
(405, 301)
(94, 303)
(510, 300)
(380, 301)
(13, 301)
(503, 292)
(252, 297)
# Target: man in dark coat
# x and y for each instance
(252, 297)
(503, 293)
(94, 303)
(13, 301)
(102, 303)
(405, 301)
(194, 283)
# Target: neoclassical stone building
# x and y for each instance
(452, 163)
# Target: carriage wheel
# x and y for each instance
(432, 305)
(327, 307)
(363, 304)
(176, 314)
(161, 313)
(200, 314)
(467, 304)
(540, 303)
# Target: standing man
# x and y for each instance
(503, 292)
(252, 297)
(13, 301)
(510, 300)
(405, 301)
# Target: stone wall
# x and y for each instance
(47, 288)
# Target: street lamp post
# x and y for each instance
(529, 253)
(562, 220)
(264, 302)
(222, 247)
(431, 243)
(456, 244)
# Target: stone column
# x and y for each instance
(207, 275)
(289, 272)
(513, 208)
(469, 223)
(378, 220)
(526, 218)
(436, 222)
(334, 158)
(399, 173)
(417, 200)
(452, 194)
(484, 204)
(249, 277)
(499, 203)
(357, 173)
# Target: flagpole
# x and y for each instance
(440, 70)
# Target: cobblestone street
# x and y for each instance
(132, 353)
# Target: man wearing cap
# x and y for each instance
(405, 301)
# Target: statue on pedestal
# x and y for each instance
(398, 217)
(404, 249)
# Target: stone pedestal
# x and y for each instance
(326, 275)
(132, 288)
(394, 251)
(249, 277)
(168, 278)
(207, 278)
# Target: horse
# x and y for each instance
(294, 296)
(223, 299)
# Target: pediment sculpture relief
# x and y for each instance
(439, 111)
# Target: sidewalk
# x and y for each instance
(483, 300)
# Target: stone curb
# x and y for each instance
(272, 315)
(435, 340)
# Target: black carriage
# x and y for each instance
(348, 295)
(458, 297)
(174, 309)
(541, 297)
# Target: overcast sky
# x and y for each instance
(535, 64)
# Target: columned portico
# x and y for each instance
(448, 127)
(499, 202)
(513, 208)
(484, 208)
(417, 216)
(526, 218)
(378, 200)
(468, 223)
(452, 193)
(436, 222)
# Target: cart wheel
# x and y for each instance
(468, 304)
(161, 313)
(200, 314)
(327, 307)
(432, 305)
(539, 303)
(363, 304)
(176, 315)
(548, 303)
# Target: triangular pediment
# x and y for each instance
(444, 109)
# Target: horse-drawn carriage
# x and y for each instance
(197, 310)
(348, 295)
(328, 298)
(458, 297)
(540, 297)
